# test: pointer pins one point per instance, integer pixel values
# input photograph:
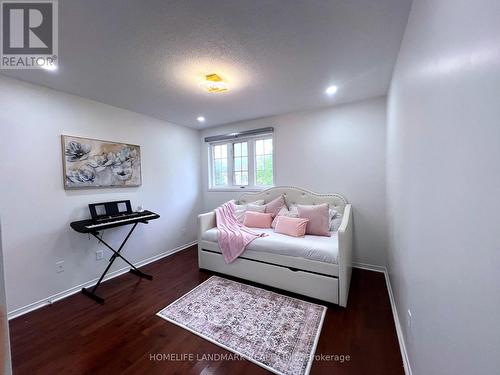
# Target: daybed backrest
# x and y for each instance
(295, 195)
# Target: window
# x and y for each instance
(264, 162)
(243, 163)
(220, 165)
(240, 158)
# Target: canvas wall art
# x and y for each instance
(89, 163)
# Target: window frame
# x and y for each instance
(249, 166)
(230, 164)
(212, 163)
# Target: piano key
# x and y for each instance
(135, 218)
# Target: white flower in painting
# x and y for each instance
(81, 175)
(123, 171)
(127, 154)
(76, 151)
(100, 162)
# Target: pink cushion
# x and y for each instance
(284, 212)
(319, 219)
(257, 220)
(275, 205)
(291, 226)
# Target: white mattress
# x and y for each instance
(319, 248)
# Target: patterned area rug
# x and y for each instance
(274, 331)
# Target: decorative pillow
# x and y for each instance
(257, 220)
(319, 219)
(275, 205)
(335, 217)
(291, 226)
(332, 213)
(257, 206)
(260, 202)
(284, 212)
(253, 208)
(335, 222)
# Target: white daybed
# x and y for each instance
(314, 266)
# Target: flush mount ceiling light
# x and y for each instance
(214, 83)
(331, 90)
(200, 119)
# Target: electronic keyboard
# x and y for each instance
(110, 215)
(113, 221)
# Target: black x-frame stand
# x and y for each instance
(116, 254)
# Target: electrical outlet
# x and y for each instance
(60, 266)
(99, 254)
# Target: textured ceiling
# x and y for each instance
(278, 56)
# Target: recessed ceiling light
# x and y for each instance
(200, 119)
(330, 90)
(214, 83)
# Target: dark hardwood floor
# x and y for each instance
(77, 336)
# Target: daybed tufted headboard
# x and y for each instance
(295, 195)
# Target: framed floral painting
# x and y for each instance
(92, 163)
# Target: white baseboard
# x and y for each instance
(66, 293)
(397, 323)
(369, 267)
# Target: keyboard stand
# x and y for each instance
(116, 254)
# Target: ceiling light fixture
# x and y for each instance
(200, 119)
(330, 90)
(214, 83)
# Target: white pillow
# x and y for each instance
(257, 206)
(285, 212)
(332, 212)
(335, 222)
(242, 206)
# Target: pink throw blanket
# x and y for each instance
(233, 237)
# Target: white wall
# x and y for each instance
(443, 186)
(36, 210)
(340, 149)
